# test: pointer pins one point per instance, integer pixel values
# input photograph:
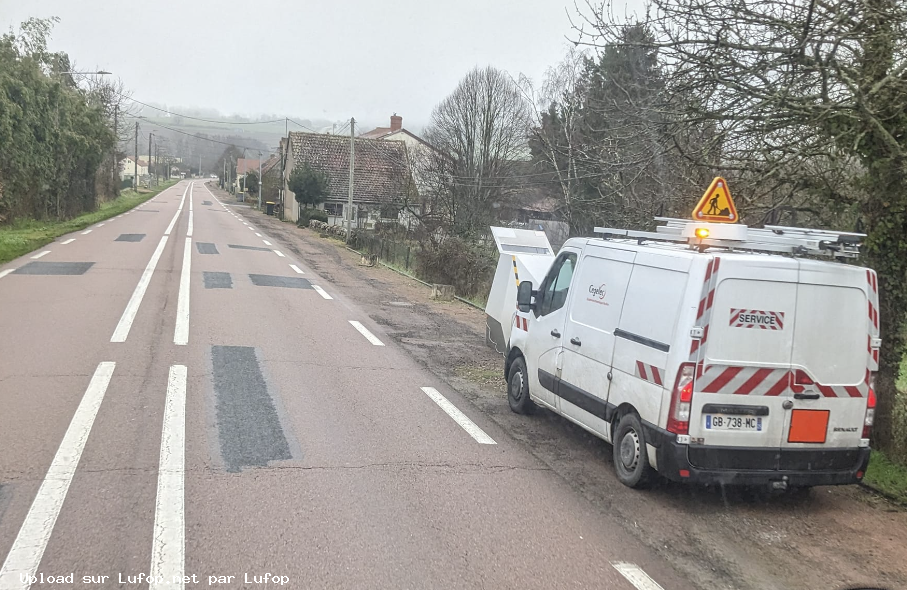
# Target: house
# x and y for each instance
(382, 180)
(244, 165)
(127, 167)
(395, 132)
(270, 184)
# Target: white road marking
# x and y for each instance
(279, 253)
(459, 417)
(37, 256)
(181, 332)
(267, 243)
(634, 574)
(69, 241)
(189, 232)
(321, 292)
(100, 225)
(368, 335)
(3, 273)
(86, 232)
(132, 308)
(297, 269)
(258, 234)
(28, 548)
(244, 223)
(252, 228)
(168, 552)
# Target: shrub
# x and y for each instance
(307, 215)
(467, 266)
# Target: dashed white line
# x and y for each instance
(3, 273)
(279, 253)
(28, 548)
(252, 228)
(37, 256)
(258, 234)
(100, 225)
(181, 332)
(132, 308)
(459, 417)
(267, 243)
(368, 335)
(321, 292)
(293, 266)
(86, 232)
(168, 553)
(634, 574)
(69, 241)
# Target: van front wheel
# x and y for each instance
(631, 459)
(518, 388)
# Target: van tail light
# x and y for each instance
(870, 407)
(681, 400)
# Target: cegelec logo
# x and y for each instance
(598, 293)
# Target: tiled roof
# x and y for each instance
(269, 164)
(381, 173)
(376, 133)
(244, 165)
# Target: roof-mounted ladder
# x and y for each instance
(772, 238)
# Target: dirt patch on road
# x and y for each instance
(828, 538)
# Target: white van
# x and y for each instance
(730, 359)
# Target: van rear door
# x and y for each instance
(743, 360)
(831, 357)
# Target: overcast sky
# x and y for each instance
(327, 58)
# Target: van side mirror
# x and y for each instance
(524, 295)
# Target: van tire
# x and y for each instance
(518, 388)
(631, 457)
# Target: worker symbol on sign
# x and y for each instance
(716, 205)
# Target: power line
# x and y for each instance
(254, 149)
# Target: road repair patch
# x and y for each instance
(206, 248)
(206, 202)
(130, 238)
(249, 429)
(54, 268)
(218, 280)
(276, 281)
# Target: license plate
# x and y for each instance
(725, 422)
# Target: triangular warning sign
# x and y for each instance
(716, 205)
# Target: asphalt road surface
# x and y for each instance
(180, 400)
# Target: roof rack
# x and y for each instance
(776, 239)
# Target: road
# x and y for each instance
(181, 399)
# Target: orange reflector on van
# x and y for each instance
(808, 426)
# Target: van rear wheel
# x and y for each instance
(518, 388)
(631, 458)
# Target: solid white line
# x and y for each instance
(368, 335)
(459, 417)
(132, 308)
(634, 574)
(267, 243)
(28, 548)
(3, 273)
(69, 241)
(168, 552)
(293, 266)
(37, 256)
(321, 292)
(189, 232)
(279, 253)
(86, 232)
(181, 332)
(178, 211)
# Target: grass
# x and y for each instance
(887, 477)
(26, 235)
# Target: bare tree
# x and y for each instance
(805, 97)
(480, 132)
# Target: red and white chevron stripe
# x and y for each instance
(765, 381)
(704, 312)
(521, 323)
(650, 373)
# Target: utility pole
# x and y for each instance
(116, 143)
(259, 181)
(352, 167)
(199, 165)
(135, 175)
(150, 135)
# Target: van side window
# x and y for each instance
(557, 283)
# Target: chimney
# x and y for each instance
(396, 122)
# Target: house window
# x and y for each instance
(335, 209)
